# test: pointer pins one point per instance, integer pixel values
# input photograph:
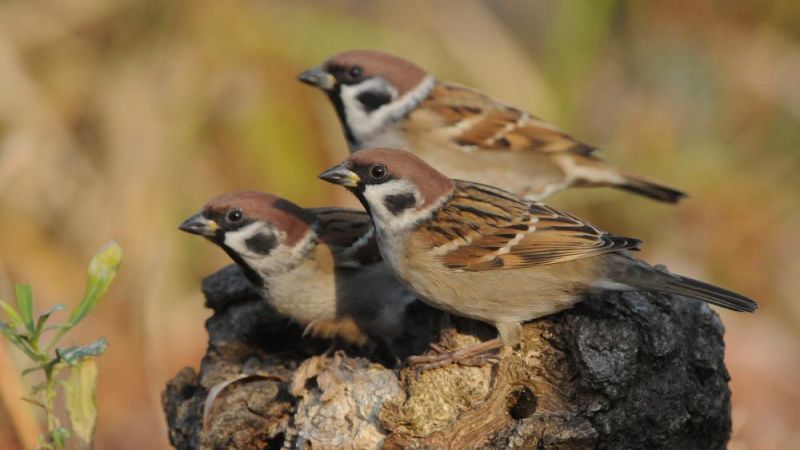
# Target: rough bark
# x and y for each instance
(633, 370)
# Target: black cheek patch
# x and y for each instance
(373, 100)
(399, 202)
(261, 243)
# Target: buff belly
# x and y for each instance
(501, 296)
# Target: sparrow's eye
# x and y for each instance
(355, 72)
(378, 171)
(234, 216)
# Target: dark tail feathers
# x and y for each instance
(650, 189)
(709, 293)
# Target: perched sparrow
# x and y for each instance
(486, 254)
(319, 267)
(386, 101)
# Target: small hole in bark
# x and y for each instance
(188, 391)
(521, 404)
(311, 384)
(276, 443)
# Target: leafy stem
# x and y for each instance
(25, 333)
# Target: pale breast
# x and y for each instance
(304, 294)
(307, 292)
(496, 295)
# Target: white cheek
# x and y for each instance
(281, 259)
(376, 193)
(364, 125)
(387, 221)
(237, 239)
(361, 122)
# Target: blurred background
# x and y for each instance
(119, 118)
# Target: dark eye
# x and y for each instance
(355, 72)
(378, 171)
(235, 216)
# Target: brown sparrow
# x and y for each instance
(319, 267)
(483, 253)
(385, 101)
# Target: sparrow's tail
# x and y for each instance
(689, 287)
(655, 191)
(588, 170)
(637, 275)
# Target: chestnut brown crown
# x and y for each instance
(243, 207)
(381, 165)
(354, 66)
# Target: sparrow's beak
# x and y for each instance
(318, 77)
(341, 175)
(198, 224)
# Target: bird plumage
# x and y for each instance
(386, 101)
(319, 267)
(488, 254)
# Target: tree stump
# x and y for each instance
(631, 370)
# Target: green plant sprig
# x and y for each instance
(26, 334)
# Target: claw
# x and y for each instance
(437, 348)
(473, 356)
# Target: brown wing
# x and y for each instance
(350, 234)
(478, 121)
(484, 228)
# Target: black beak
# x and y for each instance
(198, 224)
(341, 175)
(318, 77)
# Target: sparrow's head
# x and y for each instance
(261, 232)
(397, 187)
(369, 89)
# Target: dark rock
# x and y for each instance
(183, 405)
(633, 370)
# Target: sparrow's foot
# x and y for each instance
(474, 355)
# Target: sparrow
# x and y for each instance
(385, 101)
(487, 254)
(319, 267)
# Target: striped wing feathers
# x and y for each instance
(478, 121)
(350, 235)
(484, 228)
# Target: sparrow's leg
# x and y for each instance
(329, 351)
(474, 355)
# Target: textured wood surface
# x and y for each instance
(636, 370)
